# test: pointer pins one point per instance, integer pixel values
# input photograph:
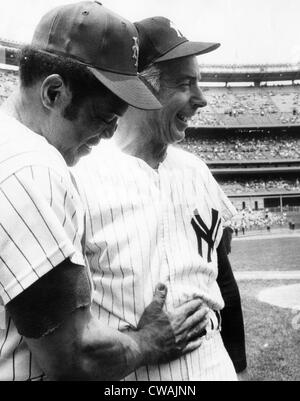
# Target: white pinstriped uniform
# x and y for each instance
(41, 224)
(139, 233)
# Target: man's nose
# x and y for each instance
(198, 98)
(114, 123)
(111, 127)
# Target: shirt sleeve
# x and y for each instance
(41, 225)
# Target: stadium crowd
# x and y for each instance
(245, 147)
(248, 220)
(249, 106)
(8, 80)
(259, 185)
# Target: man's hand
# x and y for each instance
(164, 336)
(83, 348)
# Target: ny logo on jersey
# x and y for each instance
(172, 25)
(205, 233)
(135, 50)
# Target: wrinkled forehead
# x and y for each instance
(181, 68)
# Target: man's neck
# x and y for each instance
(142, 145)
(19, 108)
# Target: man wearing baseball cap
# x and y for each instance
(76, 79)
(158, 216)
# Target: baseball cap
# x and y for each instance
(103, 41)
(160, 40)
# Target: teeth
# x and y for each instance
(182, 117)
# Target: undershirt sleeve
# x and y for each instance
(233, 333)
(43, 307)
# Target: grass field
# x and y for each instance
(273, 344)
(266, 254)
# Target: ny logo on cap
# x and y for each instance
(172, 25)
(135, 50)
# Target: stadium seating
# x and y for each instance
(8, 81)
(249, 106)
(244, 147)
(259, 185)
(248, 220)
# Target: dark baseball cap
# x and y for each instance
(160, 40)
(103, 41)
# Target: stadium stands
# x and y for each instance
(249, 107)
(257, 74)
(259, 185)
(244, 147)
(248, 219)
(8, 81)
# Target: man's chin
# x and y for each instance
(72, 159)
(177, 136)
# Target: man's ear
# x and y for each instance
(54, 92)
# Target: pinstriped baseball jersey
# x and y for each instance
(146, 226)
(41, 224)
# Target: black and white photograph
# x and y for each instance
(149, 193)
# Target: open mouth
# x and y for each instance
(108, 133)
(85, 148)
(93, 141)
(182, 117)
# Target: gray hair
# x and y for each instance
(152, 75)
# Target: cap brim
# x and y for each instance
(129, 88)
(188, 48)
